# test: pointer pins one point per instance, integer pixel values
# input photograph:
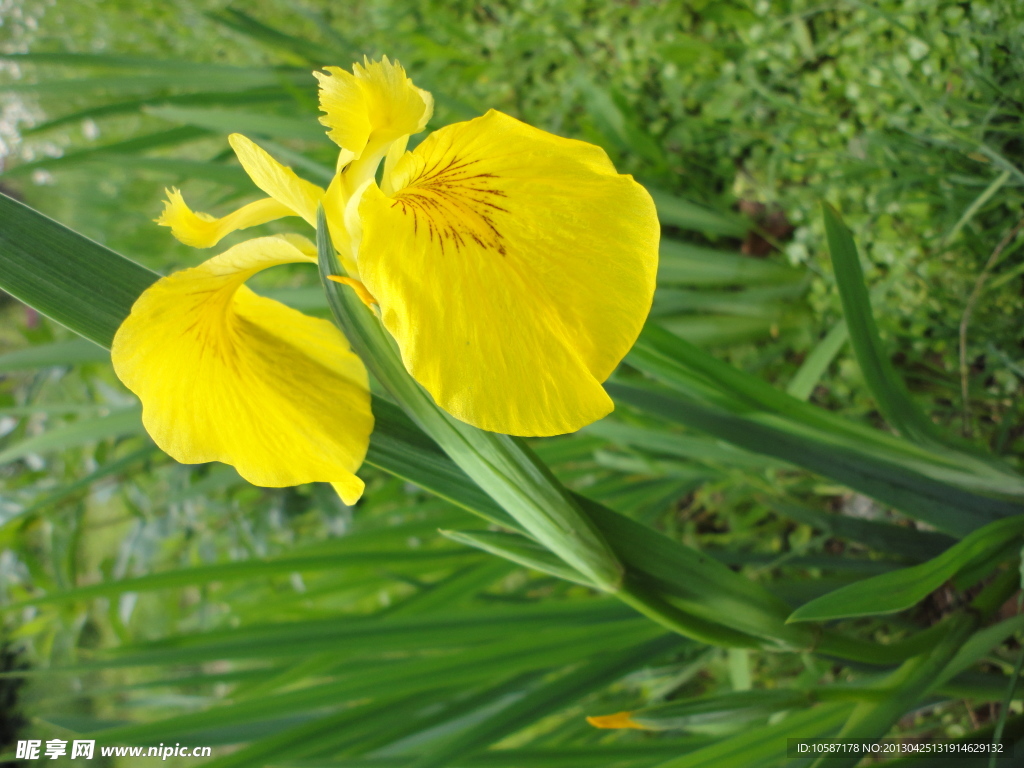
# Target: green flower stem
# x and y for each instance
(503, 466)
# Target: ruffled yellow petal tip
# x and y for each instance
(200, 230)
(373, 104)
(364, 295)
(618, 720)
(226, 375)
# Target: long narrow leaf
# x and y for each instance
(885, 384)
(77, 282)
(114, 467)
(127, 421)
(817, 362)
(304, 49)
(687, 264)
(899, 590)
(947, 488)
(232, 121)
(171, 137)
(71, 352)
(216, 98)
(544, 701)
(678, 212)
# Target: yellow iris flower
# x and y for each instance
(513, 268)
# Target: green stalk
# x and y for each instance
(503, 466)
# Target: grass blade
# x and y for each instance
(120, 423)
(138, 64)
(216, 98)
(945, 487)
(114, 467)
(817, 362)
(687, 264)
(227, 121)
(543, 701)
(886, 385)
(678, 212)
(899, 590)
(765, 745)
(71, 352)
(167, 138)
(306, 50)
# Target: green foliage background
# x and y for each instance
(905, 115)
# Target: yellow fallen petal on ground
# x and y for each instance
(226, 375)
(514, 268)
(201, 230)
(618, 720)
(279, 181)
(373, 104)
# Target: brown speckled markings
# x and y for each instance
(456, 205)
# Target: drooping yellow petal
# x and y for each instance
(515, 270)
(201, 230)
(226, 375)
(278, 181)
(374, 104)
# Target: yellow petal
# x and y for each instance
(201, 230)
(515, 270)
(278, 181)
(226, 375)
(374, 104)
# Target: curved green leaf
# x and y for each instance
(899, 590)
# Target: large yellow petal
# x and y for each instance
(374, 104)
(226, 375)
(515, 270)
(278, 181)
(201, 230)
